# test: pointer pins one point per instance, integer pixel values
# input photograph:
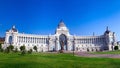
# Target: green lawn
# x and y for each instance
(107, 52)
(45, 60)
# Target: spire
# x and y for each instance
(107, 28)
(93, 34)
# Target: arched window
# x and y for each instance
(10, 39)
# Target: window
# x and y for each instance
(10, 39)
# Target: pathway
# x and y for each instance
(85, 54)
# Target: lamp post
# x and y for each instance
(73, 45)
(56, 42)
(48, 42)
(42, 48)
(73, 48)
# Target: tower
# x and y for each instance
(110, 39)
(11, 36)
(62, 29)
(61, 34)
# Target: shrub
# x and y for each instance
(30, 51)
(35, 48)
(61, 51)
(16, 50)
(23, 52)
(1, 50)
(0, 46)
(11, 47)
(116, 48)
(7, 50)
(22, 48)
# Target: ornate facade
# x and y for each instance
(61, 40)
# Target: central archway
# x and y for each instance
(63, 42)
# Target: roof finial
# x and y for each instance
(93, 34)
(13, 26)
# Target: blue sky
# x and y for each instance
(82, 17)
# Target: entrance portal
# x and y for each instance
(63, 42)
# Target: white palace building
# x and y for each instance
(61, 40)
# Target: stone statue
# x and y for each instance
(62, 45)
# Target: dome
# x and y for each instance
(14, 29)
(107, 31)
(61, 24)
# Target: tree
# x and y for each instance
(16, 50)
(1, 50)
(116, 48)
(35, 48)
(22, 48)
(11, 47)
(23, 52)
(30, 51)
(7, 50)
(0, 46)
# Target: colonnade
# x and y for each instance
(90, 40)
(26, 39)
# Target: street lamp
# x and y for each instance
(48, 42)
(42, 48)
(73, 45)
(56, 42)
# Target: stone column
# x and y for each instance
(14, 39)
(68, 45)
(57, 44)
